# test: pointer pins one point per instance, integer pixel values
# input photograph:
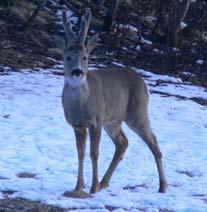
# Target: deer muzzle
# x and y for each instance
(77, 72)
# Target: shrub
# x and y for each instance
(7, 3)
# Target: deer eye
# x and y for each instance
(68, 58)
(84, 58)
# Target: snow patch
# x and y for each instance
(143, 40)
(118, 64)
(35, 138)
(138, 48)
(200, 62)
(183, 25)
(154, 77)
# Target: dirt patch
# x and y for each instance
(189, 173)
(26, 175)
(7, 192)
(77, 194)
(20, 204)
(36, 46)
(198, 100)
(133, 187)
(28, 47)
(4, 178)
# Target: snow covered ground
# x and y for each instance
(35, 138)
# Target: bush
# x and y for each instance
(7, 3)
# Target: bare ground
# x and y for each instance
(21, 204)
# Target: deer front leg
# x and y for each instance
(80, 135)
(95, 136)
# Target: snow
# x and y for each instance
(188, 73)
(156, 50)
(187, 91)
(172, 85)
(183, 25)
(200, 62)
(143, 40)
(35, 138)
(138, 48)
(70, 14)
(126, 26)
(52, 59)
(124, 48)
(154, 77)
(118, 64)
(176, 49)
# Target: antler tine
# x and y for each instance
(85, 22)
(67, 26)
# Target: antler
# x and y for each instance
(67, 26)
(85, 22)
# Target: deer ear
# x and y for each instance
(91, 43)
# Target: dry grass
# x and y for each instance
(40, 19)
(27, 48)
(2, 23)
(26, 175)
(54, 52)
(46, 15)
(22, 9)
(20, 204)
(143, 185)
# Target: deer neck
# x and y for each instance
(77, 94)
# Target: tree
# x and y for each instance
(40, 6)
(7, 3)
(110, 15)
(181, 9)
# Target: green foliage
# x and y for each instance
(7, 3)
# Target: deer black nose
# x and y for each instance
(77, 72)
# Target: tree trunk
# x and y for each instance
(40, 6)
(198, 19)
(182, 10)
(99, 3)
(110, 15)
(177, 16)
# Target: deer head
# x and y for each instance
(77, 50)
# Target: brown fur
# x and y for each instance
(105, 99)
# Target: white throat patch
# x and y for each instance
(75, 81)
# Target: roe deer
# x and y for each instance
(103, 98)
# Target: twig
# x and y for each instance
(43, 156)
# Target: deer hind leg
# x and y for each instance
(80, 135)
(121, 143)
(95, 136)
(145, 132)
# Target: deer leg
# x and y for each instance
(121, 143)
(145, 132)
(154, 147)
(80, 135)
(95, 136)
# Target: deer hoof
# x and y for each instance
(95, 188)
(163, 188)
(104, 185)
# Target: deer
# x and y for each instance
(103, 99)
